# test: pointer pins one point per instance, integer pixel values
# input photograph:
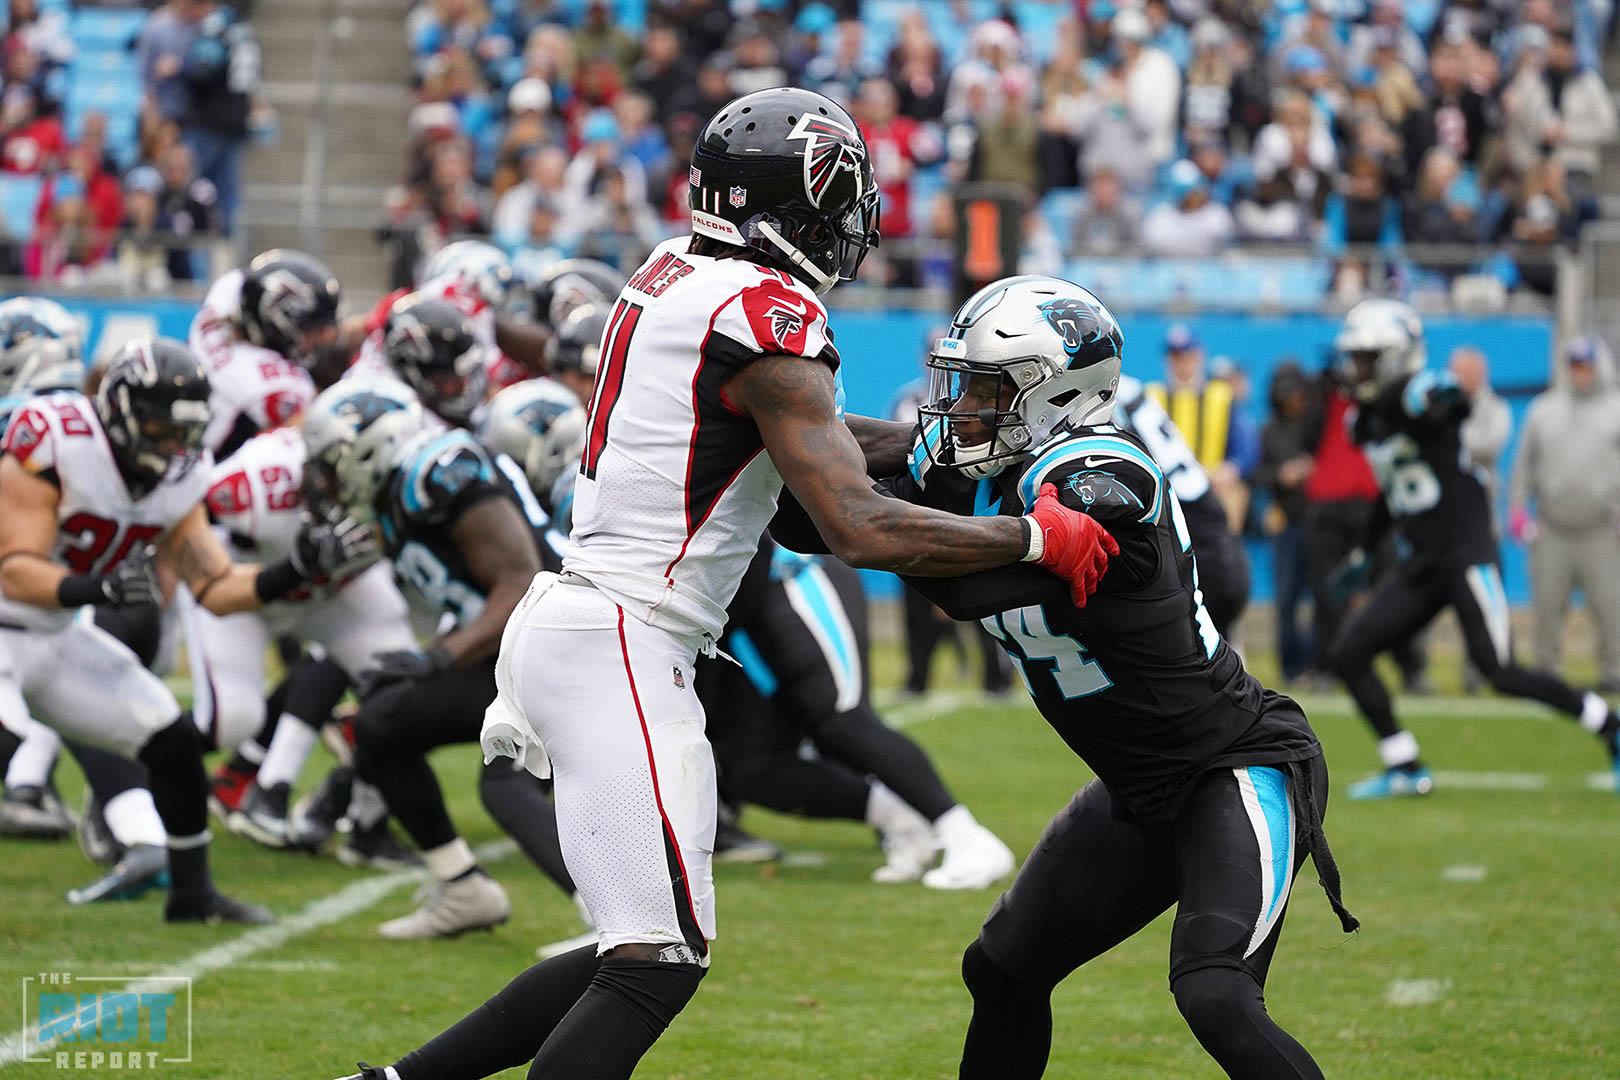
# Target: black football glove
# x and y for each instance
(402, 665)
(133, 581)
(326, 551)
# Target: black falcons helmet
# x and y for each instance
(434, 348)
(786, 172)
(153, 405)
(285, 295)
(565, 285)
(578, 340)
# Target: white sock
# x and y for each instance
(366, 806)
(390, 1074)
(450, 860)
(884, 809)
(31, 764)
(955, 825)
(133, 819)
(250, 749)
(1594, 713)
(1400, 748)
(284, 760)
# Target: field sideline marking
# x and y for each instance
(347, 901)
(1416, 991)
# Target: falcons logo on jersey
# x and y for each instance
(828, 147)
(785, 321)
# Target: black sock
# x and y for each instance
(1010, 1035)
(621, 1014)
(864, 742)
(517, 802)
(108, 774)
(822, 788)
(508, 1029)
(1226, 1011)
(180, 790)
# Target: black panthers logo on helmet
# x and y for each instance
(1089, 332)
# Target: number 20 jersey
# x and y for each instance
(675, 488)
(59, 437)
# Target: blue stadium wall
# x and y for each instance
(883, 349)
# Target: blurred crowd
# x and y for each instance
(1178, 127)
(128, 216)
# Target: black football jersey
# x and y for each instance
(1434, 495)
(1137, 682)
(440, 479)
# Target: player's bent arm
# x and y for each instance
(193, 554)
(886, 443)
(27, 535)
(500, 550)
(790, 400)
(988, 592)
(522, 342)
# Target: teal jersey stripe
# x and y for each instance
(1094, 444)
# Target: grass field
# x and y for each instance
(1490, 948)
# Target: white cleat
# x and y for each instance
(474, 902)
(975, 859)
(909, 848)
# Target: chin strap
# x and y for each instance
(821, 282)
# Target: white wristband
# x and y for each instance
(1037, 540)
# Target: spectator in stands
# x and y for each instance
(530, 126)
(708, 25)
(1272, 212)
(67, 248)
(93, 137)
(1110, 136)
(1454, 114)
(601, 151)
(24, 67)
(897, 144)
(995, 53)
(1206, 107)
(759, 61)
(164, 43)
(452, 197)
(840, 72)
(1108, 223)
(1298, 141)
(915, 66)
(1443, 208)
(1206, 411)
(1063, 107)
(600, 37)
(512, 220)
(1490, 422)
(544, 242)
(437, 25)
(1567, 475)
(221, 72)
(1251, 91)
(549, 54)
(1394, 81)
(1285, 466)
(664, 73)
(101, 193)
(143, 257)
(1385, 30)
(1152, 84)
(713, 86)
(1007, 145)
(617, 226)
(669, 188)
(44, 35)
(1361, 211)
(643, 140)
(1552, 102)
(1188, 224)
(29, 143)
(189, 205)
(1309, 42)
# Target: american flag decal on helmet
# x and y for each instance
(828, 147)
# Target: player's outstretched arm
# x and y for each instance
(500, 550)
(191, 553)
(886, 443)
(522, 342)
(27, 534)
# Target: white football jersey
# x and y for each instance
(1143, 417)
(254, 494)
(674, 488)
(59, 436)
(251, 388)
(462, 294)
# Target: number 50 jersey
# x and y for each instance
(58, 437)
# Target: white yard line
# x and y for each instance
(350, 900)
(1416, 991)
(1465, 872)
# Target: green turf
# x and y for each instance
(819, 974)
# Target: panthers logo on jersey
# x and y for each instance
(1092, 487)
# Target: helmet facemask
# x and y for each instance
(972, 422)
(155, 441)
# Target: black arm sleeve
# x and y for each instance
(989, 592)
(793, 529)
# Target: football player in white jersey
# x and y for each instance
(255, 498)
(717, 383)
(256, 333)
(100, 501)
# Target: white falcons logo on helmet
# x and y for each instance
(286, 301)
(409, 338)
(828, 147)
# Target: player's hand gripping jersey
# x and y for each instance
(439, 477)
(1411, 435)
(667, 453)
(252, 388)
(59, 438)
(1137, 682)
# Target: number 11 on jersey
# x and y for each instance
(1027, 637)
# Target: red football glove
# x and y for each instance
(1075, 547)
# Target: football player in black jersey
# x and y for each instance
(1407, 422)
(1209, 789)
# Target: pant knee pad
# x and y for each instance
(986, 978)
(1214, 1001)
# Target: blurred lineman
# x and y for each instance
(1408, 421)
(1209, 788)
(718, 383)
(1568, 476)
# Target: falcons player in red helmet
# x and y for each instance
(718, 383)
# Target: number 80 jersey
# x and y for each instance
(59, 438)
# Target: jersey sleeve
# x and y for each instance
(447, 479)
(31, 440)
(773, 317)
(230, 499)
(1109, 478)
(1434, 398)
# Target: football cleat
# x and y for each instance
(976, 860)
(141, 869)
(734, 844)
(315, 817)
(377, 848)
(96, 840)
(474, 901)
(213, 907)
(1394, 784)
(909, 849)
(36, 813)
(367, 1072)
(226, 788)
(261, 816)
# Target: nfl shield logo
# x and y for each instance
(738, 196)
(680, 680)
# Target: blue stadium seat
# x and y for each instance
(19, 195)
(106, 27)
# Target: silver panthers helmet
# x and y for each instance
(540, 425)
(1026, 357)
(26, 321)
(352, 436)
(484, 265)
(1380, 342)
